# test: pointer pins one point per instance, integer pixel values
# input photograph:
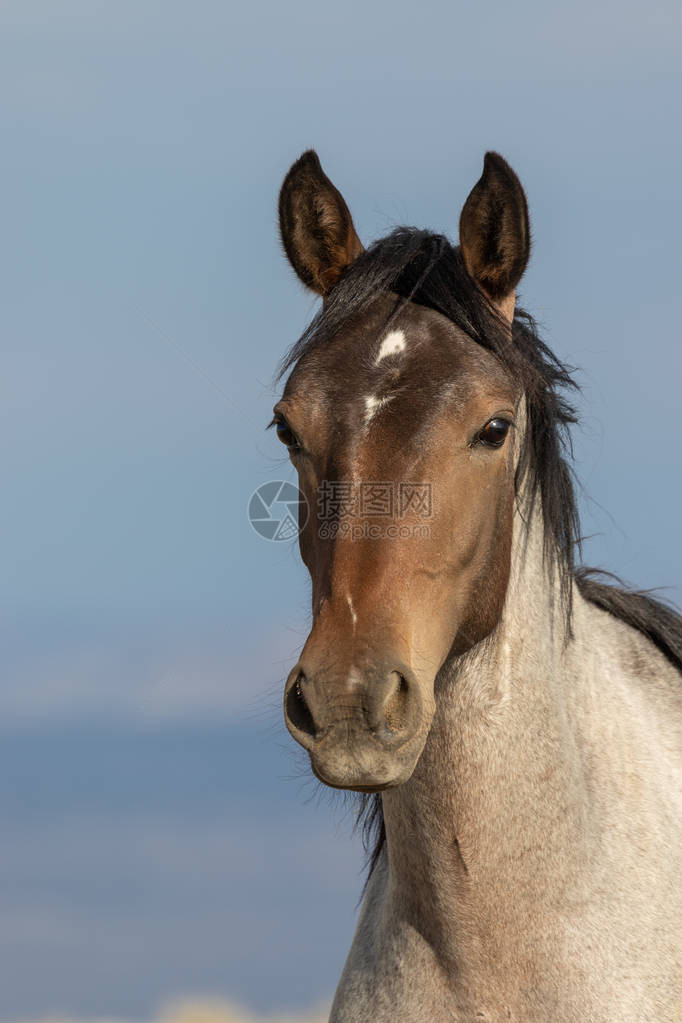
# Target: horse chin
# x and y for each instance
(369, 789)
(349, 769)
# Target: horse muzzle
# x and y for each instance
(363, 731)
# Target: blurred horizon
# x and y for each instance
(199, 1011)
(162, 839)
(164, 864)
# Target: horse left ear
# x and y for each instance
(494, 233)
(315, 225)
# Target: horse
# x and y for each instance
(511, 719)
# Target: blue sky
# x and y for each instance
(144, 145)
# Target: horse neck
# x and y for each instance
(497, 793)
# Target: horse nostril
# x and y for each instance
(297, 708)
(397, 704)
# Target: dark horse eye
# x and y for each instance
(494, 433)
(286, 434)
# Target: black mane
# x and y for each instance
(425, 268)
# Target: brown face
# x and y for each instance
(404, 441)
(411, 569)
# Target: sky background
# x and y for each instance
(160, 836)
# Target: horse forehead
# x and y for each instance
(412, 365)
(412, 362)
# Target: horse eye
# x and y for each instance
(494, 433)
(286, 434)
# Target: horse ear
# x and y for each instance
(315, 225)
(494, 232)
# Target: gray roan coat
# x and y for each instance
(512, 721)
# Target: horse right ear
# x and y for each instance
(494, 233)
(315, 225)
